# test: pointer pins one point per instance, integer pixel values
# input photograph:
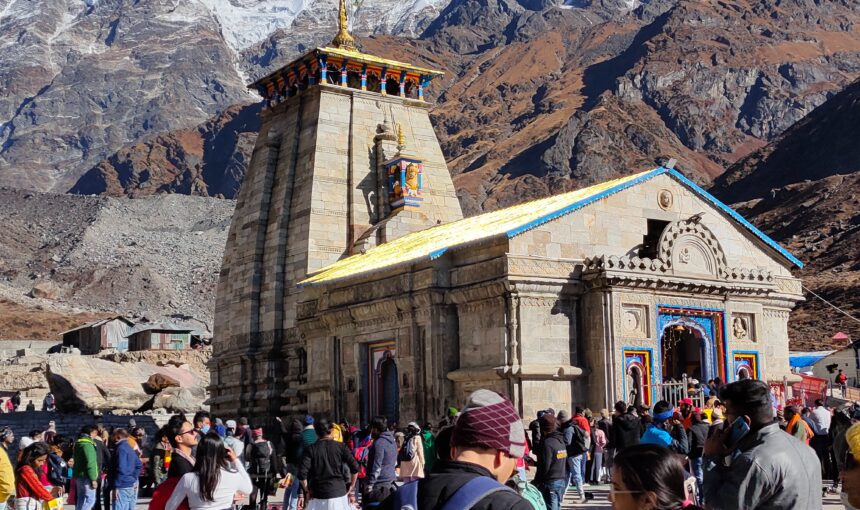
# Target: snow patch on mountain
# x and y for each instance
(245, 22)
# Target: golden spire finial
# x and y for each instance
(401, 138)
(343, 39)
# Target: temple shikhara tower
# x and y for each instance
(352, 285)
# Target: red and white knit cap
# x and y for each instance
(489, 420)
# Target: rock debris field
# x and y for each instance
(157, 256)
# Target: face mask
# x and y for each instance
(844, 497)
(204, 429)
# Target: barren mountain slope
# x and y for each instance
(804, 189)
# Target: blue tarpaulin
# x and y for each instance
(807, 359)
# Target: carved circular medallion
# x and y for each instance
(631, 320)
(665, 199)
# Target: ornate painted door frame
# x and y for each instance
(709, 323)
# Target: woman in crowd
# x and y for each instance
(412, 468)
(30, 493)
(659, 487)
(216, 478)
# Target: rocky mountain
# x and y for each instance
(804, 189)
(66, 255)
(80, 80)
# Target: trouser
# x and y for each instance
(291, 495)
(553, 493)
(261, 486)
(582, 464)
(3, 503)
(821, 444)
(596, 466)
(377, 494)
(573, 464)
(696, 467)
(85, 495)
(125, 499)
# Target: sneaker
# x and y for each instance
(582, 499)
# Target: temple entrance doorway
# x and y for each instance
(381, 395)
(635, 385)
(683, 353)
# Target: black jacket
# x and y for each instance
(626, 431)
(322, 467)
(551, 458)
(446, 478)
(697, 435)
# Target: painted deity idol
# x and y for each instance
(412, 173)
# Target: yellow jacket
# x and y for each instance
(7, 476)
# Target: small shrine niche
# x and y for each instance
(405, 178)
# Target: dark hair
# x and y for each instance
(661, 407)
(620, 407)
(322, 427)
(120, 434)
(664, 477)
(818, 402)
(200, 416)
(34, 433)
(750, 397)
(805, 411)
(210, 459)
(379, 423)
(578, 410)
(695, 417)
(33, 452)
(174, 428)
(443, 444)
(790, 409)
(87, 430)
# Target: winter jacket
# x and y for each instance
(659, 434)
(86, 459)
(7, 476)
(414, 468)
(429, 443)
(551, 459)
(29, 485)
(697, 434)
(309, 436)
(768, 469)
(582, 422)
(441, 484)
(625, 431)
(322, 467)
(126, 466)
(382, 460)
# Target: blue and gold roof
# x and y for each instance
(433, 242)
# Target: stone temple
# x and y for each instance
(352, 285)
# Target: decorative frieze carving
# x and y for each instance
(479, 272)
(788, 285)
(532, 266)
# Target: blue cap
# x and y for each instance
(309, 420)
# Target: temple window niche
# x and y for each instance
(651, 241)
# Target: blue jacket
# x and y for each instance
(382, 460)
(127, 466)
(676, 440)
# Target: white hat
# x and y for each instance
(231, 424)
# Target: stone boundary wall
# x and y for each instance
(69, 425)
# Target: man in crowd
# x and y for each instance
(686, 409)
(820, 442)
(551, 474)
(666, 430)
(573, 436)
(322, 470)
(86, 469)
(381, 462)
(7, 475)
(581, 421)
(125, 472)
(796, 426)
(262, 466)
(202, 422)
(534, 429)
(487, 440)
(183, 438)
(309, 435)
(761, 467)
(233, 442)
(626, 429)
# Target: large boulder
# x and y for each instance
(45, 290)
(178, 400)
(85, 384)
(158, 382)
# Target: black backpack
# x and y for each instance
(580, 443)
(407, 452)
(261, 455)
(57, 470)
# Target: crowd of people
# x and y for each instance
(13, 403)
(739, 453)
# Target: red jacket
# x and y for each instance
(27, 485)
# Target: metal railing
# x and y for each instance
(673, 392)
